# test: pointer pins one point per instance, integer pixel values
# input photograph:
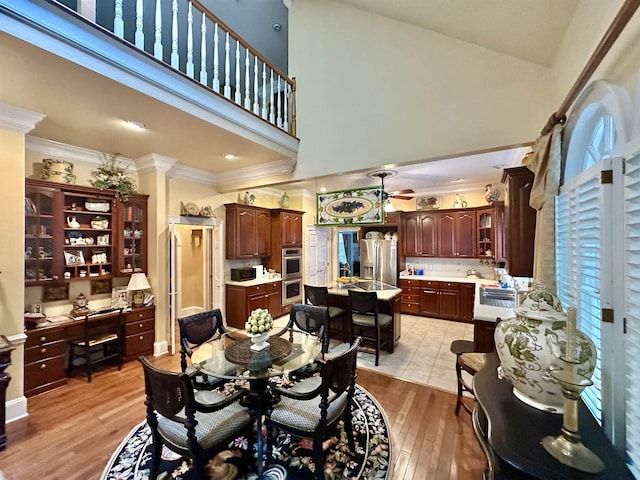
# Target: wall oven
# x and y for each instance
(291, 263)
(292, 291)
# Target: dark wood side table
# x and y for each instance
(510, 433)
(6, 347)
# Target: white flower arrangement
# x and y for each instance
(260, 321)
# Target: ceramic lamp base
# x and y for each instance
(259, 342)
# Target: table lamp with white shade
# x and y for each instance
(138, 284)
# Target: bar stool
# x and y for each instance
(319, 296)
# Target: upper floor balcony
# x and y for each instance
(176, 52)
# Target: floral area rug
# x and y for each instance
(291, 456)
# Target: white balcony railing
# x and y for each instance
(198, 44)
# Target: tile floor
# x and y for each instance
(422, 355)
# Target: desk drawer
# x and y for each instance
(140, 326)
(138, 344)
(47, 335)
(40, 352)
(137, 315)
(43, 372)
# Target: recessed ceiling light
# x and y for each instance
(136, 124)
(229, 156)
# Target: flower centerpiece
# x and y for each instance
(110, 174)
(258, 326)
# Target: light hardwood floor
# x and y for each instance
(71, 432)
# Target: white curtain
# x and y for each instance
(545, 164)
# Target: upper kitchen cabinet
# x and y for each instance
(419, 234)
(490, 223)
(286, 229)
(248, 233)
(131, 218)
(456, 233)
(520, 221)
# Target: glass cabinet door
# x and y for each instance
(42, 244)
(132, 245)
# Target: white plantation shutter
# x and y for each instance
(632, 311)
(583, 259)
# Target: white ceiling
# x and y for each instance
(86, 110)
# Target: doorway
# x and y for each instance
(195, 272)
(348, 254)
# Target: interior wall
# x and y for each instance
(192, 268)
(373, 91)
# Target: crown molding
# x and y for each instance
(256, 172)
(181, 172)
(153, 162)
(71, 153)
(18, 119)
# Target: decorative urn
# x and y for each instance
(531, 345)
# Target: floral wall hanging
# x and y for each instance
(350, 207)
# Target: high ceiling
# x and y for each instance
(86, 110)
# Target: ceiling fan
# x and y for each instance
(399, 194)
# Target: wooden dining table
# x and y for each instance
(231, 357)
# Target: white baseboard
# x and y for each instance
(16, 408)
(160, 348)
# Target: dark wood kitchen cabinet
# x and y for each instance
(520, 221)
(248, 232)
(456, 233)
(286, 232)
(441, 299)
(490, 231)
(131, 235)
(419, 234)
(242, 300)
(467, 300)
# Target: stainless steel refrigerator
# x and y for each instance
(379, 260)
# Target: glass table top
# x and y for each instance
(231, 357)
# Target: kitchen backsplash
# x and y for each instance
(451, 266)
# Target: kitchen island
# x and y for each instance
(388, 302)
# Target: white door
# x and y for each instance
(318, 239)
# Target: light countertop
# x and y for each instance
(382, 294)
(254, 282)
(485, 313)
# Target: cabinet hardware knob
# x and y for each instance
(139, 325)
(139, 315)
(44, 365)
(43, 350)
(141, 337)
(42, 339)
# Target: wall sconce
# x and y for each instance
(196, 237)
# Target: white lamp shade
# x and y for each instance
(138, 281)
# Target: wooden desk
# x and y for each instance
(45, 348)
(510, 433)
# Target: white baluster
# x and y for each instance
(203, 51)
(238, 95)
(247, 90)
(216, 77)
(227, 87)
(256, 105)
(285, 120)
(118, 22)
(279, 118)
(272, 119)
(175, 58)
(157, 45)
(264, 91)
(139, 37)
(190, 42)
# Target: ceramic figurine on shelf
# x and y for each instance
(80, 306)
(491, 194)
(459, 201)
(249, 198)
(284, 200)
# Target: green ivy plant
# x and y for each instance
(112, 175)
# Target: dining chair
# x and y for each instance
(195, 330)
(366, 318)
(309, 319)
(179, 420)
(314, 409)
(470, 358)
(100, 342)
(319, 296)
